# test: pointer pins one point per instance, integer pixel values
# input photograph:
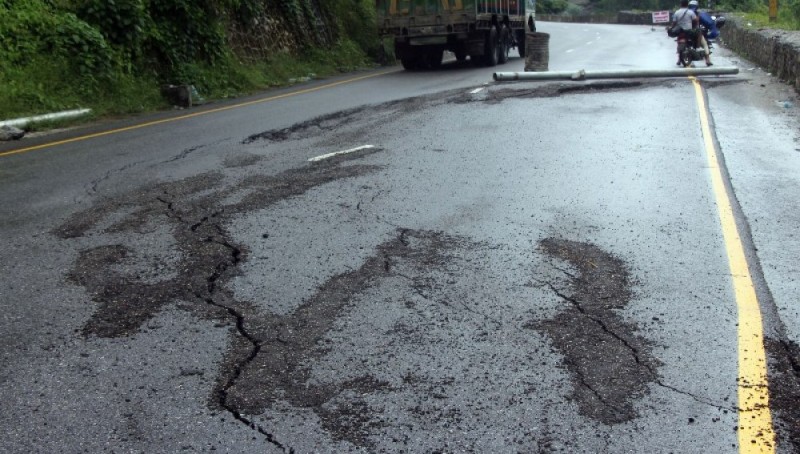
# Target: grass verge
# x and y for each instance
(41, 86)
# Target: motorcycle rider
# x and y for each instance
(688, 21)
(710, 26)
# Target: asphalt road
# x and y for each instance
(517, 267)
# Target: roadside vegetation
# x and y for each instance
(114, 55)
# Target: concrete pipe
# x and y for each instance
(616, 74)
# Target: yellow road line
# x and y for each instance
(184, 117)
(755, 432)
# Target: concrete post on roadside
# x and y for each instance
(537, 51)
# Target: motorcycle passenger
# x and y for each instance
(686, 19)
(710, 26)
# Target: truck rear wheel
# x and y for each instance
(491, 55)
(504, 45)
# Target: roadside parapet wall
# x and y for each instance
(622, 17)
(777, 51)
(587, 19)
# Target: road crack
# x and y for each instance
(96, 183)
(203, 257)
(213, 295)
(635, 352)
(611, 366)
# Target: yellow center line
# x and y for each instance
(755, 431)
(184, 117)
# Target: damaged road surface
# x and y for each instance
(522, 268)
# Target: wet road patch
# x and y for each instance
(369, 117)
(784, 389)
(611, 366)
(500, 93)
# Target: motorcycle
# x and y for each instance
(689, 49)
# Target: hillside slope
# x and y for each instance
(114, 55)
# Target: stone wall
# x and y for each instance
(777, 51)
(273, 30)
(588, 19)
(622, 17)
(631, 18)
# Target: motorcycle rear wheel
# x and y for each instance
(684, 55)
(686, 58)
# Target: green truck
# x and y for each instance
(484, 30)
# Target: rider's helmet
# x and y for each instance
(720, 22)
(693, 4)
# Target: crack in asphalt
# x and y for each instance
(584, 382)
(577, 304)
(267, 360)
(208, 259)
(239, 318)
(599, 348)
(210, 297)
(646, 363)
(290, 342)
(95, 183)
(368, 117)
(418, 287)
(184, 153)
(187, 151)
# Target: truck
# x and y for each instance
(483, 30)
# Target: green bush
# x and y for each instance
(33, 27)
(122, 22)
(755, 6)
(792, 11)
(613, 6)
(355, 20)
(551, 6)
(573, 10)
(33, 31)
